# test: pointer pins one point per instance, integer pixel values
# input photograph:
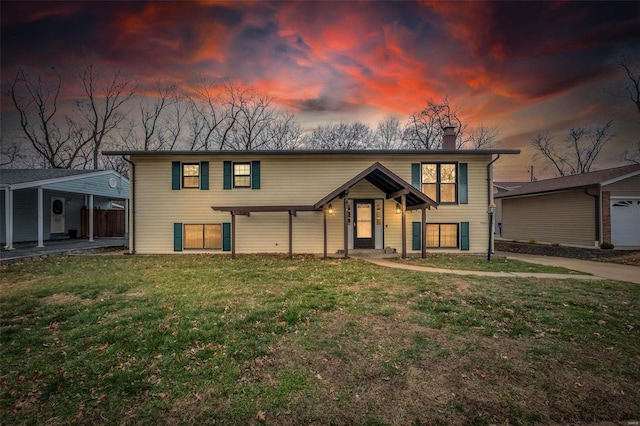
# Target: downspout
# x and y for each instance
(132, 216)
(489, 191)
(491, 215)
(597, 211)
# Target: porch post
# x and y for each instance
(40, 217)
(8, 217)
(424, 233)
(403, 200)
(233, 235)
(126, 218)
(324, 221)
(346, 226)
(290, 234)
(91, 218)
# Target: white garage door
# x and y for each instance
(625, 222)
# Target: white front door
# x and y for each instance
(57, 215)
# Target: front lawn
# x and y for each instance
(263, 339)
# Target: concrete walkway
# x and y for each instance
(26, 251)
(598, 270)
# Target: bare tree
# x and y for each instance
(101, 112)
(632, 93)
(579, 150)
(284, 133)
(424, 129)
(9, 152)
(207, 116)
(55, 139)
(388, 134)
(341, 136)
(480, 137)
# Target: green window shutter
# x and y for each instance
(416, 236)
(255, 175)
(177, 237)
(204, 175)
(463, 186)
(175, 175)
(464, 235)
(226, 236)
(226, 178)
(416, 176)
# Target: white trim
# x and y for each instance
(53, 181)
(8, 217)
(620, 197)
(506, 196)
(619, 178)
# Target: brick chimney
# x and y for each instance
(449, 138)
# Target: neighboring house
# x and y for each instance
(501, 188)
(582, 210)
(310, 201)
(48, 204)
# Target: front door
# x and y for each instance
(363, 224)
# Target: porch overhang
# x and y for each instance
(386, 181)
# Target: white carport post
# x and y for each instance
(40, 217)
(126, 217)
(8, 215)
(90, 217)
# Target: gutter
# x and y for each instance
(131, 212)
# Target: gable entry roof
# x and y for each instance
(389, 183)
(600, 177)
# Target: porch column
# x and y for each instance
(424, 233)
(126, 218)
(346, 226)
(233, 235)
(290, 234)
(324, 222)
(8, 216)
(403, 201)
(90, 218)
(40, 217)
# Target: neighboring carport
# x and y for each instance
(34, 198)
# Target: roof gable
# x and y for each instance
(600, 177)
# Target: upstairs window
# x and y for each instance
(439, 182)
(242, 175)
(191, 175)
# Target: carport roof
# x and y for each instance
(31, 178)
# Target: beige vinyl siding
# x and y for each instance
(564, 217)
(625, 188)
(290, 180)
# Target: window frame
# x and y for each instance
(183, 176)
(438, 183)
(440, 246)
(203, 225)
(234, 175)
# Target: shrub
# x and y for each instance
(532, 241)
(606, 246)
(555, 244)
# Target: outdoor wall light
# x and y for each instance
(398, 209)
(330, 209)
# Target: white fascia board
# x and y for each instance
(53, 181)
(619, 178)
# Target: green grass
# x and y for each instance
(263, 339)
(480, 263)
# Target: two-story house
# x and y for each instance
(304, 201)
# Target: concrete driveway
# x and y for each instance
(25, 251)
(610, 271)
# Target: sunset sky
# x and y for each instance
(522, 67)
